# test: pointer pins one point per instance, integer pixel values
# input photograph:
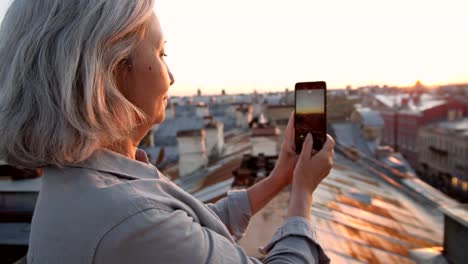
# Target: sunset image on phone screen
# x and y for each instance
(310, 116)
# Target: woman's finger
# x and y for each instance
(289, 135)
(290, 126)
(329, 143)
(307, 147)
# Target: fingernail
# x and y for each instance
(309, 136)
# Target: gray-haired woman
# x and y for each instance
(81, 84)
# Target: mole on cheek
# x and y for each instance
(150, 68)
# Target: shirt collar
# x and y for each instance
(105, 160)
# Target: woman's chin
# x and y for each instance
(158, 119)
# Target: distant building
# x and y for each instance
(370, 122)
(288, 98)
(279, 115)
(443, 156)
(404, 114)
(264, 140)
(214, 118)
(202, 110)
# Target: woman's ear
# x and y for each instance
(122, 75)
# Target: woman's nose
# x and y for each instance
(171, 77)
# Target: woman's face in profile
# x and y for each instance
(145, 81)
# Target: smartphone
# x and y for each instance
(310, 113)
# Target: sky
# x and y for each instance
(269, 45)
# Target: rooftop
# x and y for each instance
(358, 217)
(459, 127)
(361, 219)
(269, 131)
(167, 131)
(349, 135)
(280, 106)
(426, 101)
(191, 133)
(370, 117)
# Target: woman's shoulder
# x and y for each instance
(78, 206)
(95, 192)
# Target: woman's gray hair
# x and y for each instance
(58, 96)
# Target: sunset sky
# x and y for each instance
(268, 45)
(309, 101)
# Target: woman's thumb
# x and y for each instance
(140, 155)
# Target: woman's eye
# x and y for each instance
(163, 54)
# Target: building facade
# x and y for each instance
(443, 157)
(405, 114)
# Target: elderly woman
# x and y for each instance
(83, 81)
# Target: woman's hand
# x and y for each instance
(287, 159)
(262, 192)
(141, 156)
(312, 168)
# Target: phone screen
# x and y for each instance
(310, 114)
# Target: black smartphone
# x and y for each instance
(310, 113)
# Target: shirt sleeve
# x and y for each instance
(159, 236)
(234, 211)
(295, 239)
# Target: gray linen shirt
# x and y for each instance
(111, 209)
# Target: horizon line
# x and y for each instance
(278, 90)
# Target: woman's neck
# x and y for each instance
(129, 146)
(126, 148)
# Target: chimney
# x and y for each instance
(209, 119)
(417, 100)
(456, 233)
(214, 137)
(455, 239)
(192, 151)
(243, 116)
(265, 140)
(202, 110)
(245, 175)
(404, 102)
(257, 109)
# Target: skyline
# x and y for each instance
(264, 45)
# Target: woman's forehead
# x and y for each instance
(154, 32)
